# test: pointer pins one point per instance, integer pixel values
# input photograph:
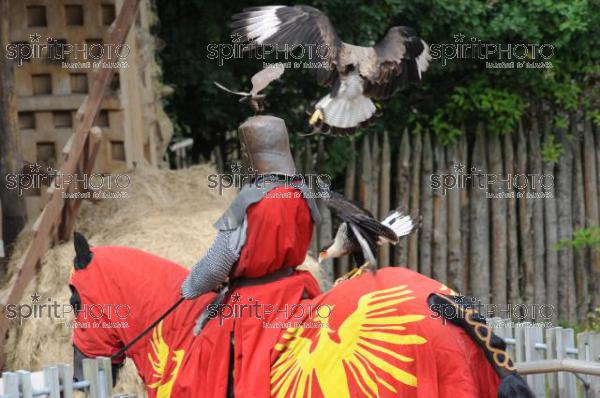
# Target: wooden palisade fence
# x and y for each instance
(501, 249)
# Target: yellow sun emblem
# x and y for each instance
(159, 359)
(362, 339)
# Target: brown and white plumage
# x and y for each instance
(360, 233)
(260, 81)
(357, 74)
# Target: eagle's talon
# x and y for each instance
(356, 272)
(316, 117)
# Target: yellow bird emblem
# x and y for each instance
(159, 359)
(356, 353)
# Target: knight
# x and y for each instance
(262, 237)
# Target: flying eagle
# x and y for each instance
(260, 81)
(358, 75)
(360, 233)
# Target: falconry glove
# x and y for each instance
(214, 268)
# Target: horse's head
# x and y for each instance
(116, 292)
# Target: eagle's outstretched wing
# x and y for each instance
(361, 352)
(222, 87)
(263, 78)
(286, 27)
(401, 59)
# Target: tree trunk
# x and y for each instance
(440, 220)
(14, 213)
(498, 212)
(479, 239)
(426, 208)
(455, 265)
(463, 153)
(384, 195)
(415, 190)
(512, 237)
(403, 195)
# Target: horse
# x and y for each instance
(371, 336)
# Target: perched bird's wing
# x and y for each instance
(343, 207)
(401, 59)
(286, 27)
(364, 244)
(222, 87)
(263, 78)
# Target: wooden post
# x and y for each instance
(402, 196)
(479, 273)
(375, 180)
(14, 212)
(455, 264)
(440, 220)
(551, 234)
(365, 187)
(384, 194)
(325, 227)
(499, 259)
(465, 225)
(592, 195)
(425, 235)
(564, 186)
(52, 381)
(349, 189)
(512, 243)
(525, 215)
(415, 192)
(580, 256)
(537, 216)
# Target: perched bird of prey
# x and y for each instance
(259, 82)
(360, 233)
(358, 75)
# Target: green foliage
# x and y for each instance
(551, 150)
(583, 237)
(462, 92)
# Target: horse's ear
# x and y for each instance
(83, 254)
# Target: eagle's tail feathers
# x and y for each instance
(346, 112)
(401, 224)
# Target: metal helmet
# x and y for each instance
(266, 143)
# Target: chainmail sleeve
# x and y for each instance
(212, 269)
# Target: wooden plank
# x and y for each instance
(499, 259)
(525, 215)
(479, 279)
(465, 225)
(580, 256)
(403, 194)
(531, 336)
(537, 215)
(385, 183)
(583, 354)
(104, 363)
(25, 384)
(90, 373)
(558, 365)
(440, 220)
(455, 265)
(52, 381)
(564, 186)
(592, 195)
(10, 381)
(594, 344)
(65, 375)
(375, 177)
(425, 235)
(325, 227)
(25, 269)
(365, 181)
(349, 192)
(512, 239)
(415, 192)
